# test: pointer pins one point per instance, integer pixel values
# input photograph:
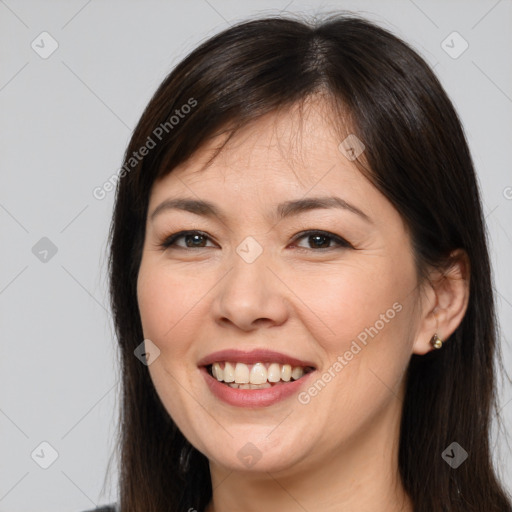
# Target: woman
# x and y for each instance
(301, 284)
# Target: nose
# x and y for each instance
(251, 295)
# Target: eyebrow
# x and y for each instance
(283, 210)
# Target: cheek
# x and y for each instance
(165, 303)
(359, 318)
(155, 304)
(168, 314)
(341, 303)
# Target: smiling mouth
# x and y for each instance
(256, 376)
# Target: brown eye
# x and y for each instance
(323, 239)
(193, 239)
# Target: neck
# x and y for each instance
(359, 475)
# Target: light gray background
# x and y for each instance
(65, 122)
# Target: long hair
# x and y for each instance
(416, 155)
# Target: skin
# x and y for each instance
(339, 451)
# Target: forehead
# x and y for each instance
(286, 153)
(277, 159)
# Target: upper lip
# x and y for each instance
(254, 356)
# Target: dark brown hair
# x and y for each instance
(416, 155)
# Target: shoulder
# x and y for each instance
(104, 508)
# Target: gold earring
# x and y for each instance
(436, 341)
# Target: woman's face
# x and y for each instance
(251, 281)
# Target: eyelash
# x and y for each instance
(342, 243)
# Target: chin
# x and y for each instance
(256, 451)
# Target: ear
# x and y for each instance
(445, 302)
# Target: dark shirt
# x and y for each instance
(104, 508)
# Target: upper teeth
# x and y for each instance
(259, 373)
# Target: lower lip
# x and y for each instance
(253, 397)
